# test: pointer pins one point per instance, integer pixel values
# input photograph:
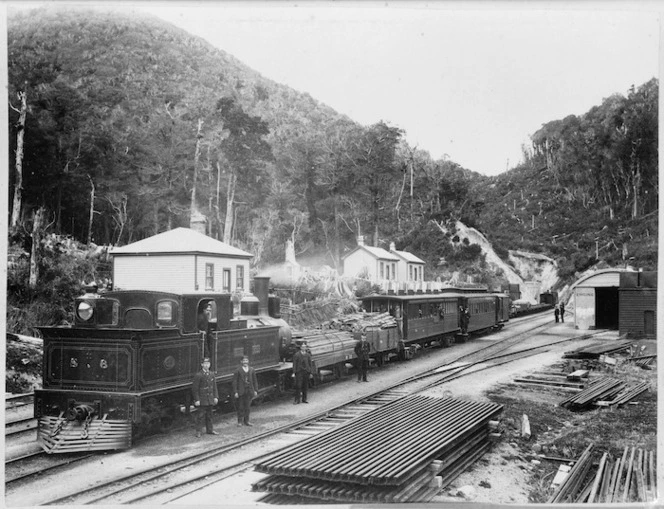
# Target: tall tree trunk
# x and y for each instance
(337, 237)
(34, 255)
(197, 155)
(92, 210)
(230, 196)
(18, 181)
(637, 189)
(218, 205)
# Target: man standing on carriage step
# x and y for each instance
(362, 351)
(245, 388)
(302, 369)
(204, 391)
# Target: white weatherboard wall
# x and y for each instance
(175, 273)
(585, 316)
(358, 262)
(167, 273)
(584, 311)
(221, 263)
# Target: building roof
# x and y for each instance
(180, 241)
(377, 252)
(408, 257)
(587, 280)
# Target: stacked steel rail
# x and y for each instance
(628, 479)
(604, 392)
(600, 389)
(643, 361)
(595, 350)
(402, 452)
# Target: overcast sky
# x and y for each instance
(470, 84)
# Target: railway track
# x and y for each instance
(175, 480)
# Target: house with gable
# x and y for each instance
(373, 263)
(181, 260)
(410, 268)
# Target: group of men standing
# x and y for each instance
(559, 312)
(245, 385)
(205, 395)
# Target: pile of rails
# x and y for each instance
(595, 350)
(360, 322)
(405, 451)
(628, 479)
(604, 391)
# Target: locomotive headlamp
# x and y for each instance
(84, 311)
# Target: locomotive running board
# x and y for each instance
(58, 435)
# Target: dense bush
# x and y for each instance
(62, 273)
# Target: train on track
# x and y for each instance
(124, 368)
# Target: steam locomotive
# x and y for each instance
(124, 368)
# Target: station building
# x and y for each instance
(619, 299)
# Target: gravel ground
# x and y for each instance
(493, 478)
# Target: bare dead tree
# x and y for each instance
(230, 197)
(18, 169)
(36, 240)
(92, 210)
(197, 155)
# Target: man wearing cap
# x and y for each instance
(204, 391)
(245, 387)
(302, 368)
(362, 351)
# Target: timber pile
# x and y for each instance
(596, 349)
(604, 392)
(311, 314)
(405, 451)
(360, 322)
(644, 361)
(628, 479)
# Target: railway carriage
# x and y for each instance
(125, 367)
(425, 318)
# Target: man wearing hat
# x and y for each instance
(245, 388)
(362, 351)
(302, 368)
(204, 390)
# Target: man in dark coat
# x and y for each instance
(362, 351)
(556, 313)
(204, 391)
(245, 387)
(562, 312)
(302, 368)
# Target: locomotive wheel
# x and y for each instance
(338, 370)
(380, 359)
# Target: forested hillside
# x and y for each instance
(121, 128)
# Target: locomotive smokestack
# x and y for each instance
(261, 285)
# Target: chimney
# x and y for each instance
(261, 286)
(393, 247)
(197, 222)
(360, 240)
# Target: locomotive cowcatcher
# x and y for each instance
(124, 368)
